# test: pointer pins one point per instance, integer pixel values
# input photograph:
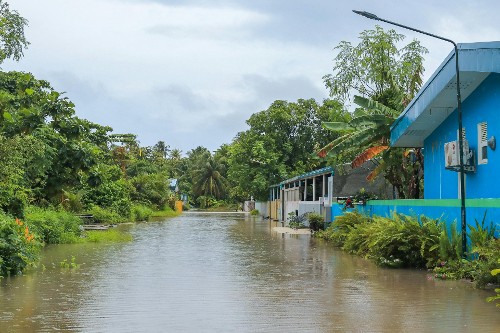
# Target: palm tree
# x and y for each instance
(208, 179)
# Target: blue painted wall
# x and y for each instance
(436, 209)
(483, 105)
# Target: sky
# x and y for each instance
(191, 72)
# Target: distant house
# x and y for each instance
(430, 121)
(317, 191)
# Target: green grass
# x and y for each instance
(107, 236)
(165, 213)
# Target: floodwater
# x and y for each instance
(218, 272)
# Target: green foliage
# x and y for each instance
(477, 270)
(12, 39)
(208, 179)
(71, 264)
(105, 187)
(102, 215)
(72, 202)
(397, 241)
(341, 227)
(388, 78)
(296, 222)
(450, 244)
(497, 290)
(254, 212)
(152, 189)
(18, 246)
(108, 236)
(141, 212)
(371, 67)
(53, 227)
(167, 212)
(480, 235)
(294, 131)
(316, 221)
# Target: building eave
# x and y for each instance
(437, 99)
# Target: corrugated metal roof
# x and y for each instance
(438, 99)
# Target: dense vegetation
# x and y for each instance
(54, 165)
(409, 241)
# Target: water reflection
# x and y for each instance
(230, 272)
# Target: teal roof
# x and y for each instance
(319, 172)
(437, 99)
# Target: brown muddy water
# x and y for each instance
(220, 272)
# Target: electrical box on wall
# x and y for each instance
(452, 156)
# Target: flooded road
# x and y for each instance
(203, 272)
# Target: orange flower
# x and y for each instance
(19, 222)
(26, 231)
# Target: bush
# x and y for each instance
(254, 212)
(54, 227)
(477, 270)
(141, 213)
(18, 246)
(316, 221)
(102, 215)
(338, 231)
(397, 241)
(152, 188)
(296, 222)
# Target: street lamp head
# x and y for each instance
(366, 14)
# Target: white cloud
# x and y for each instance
(191, 72)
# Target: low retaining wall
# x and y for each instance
(448, 210)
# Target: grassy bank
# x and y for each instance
(165, 213)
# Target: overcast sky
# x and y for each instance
(191, 72)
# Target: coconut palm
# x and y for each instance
(208, 179)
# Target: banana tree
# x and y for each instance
(367, 137)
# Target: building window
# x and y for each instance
(482, 143)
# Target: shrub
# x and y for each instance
(338, 231)
(497, 290)
(151, 188)
(18, 246)
(481, 235)
(102, 215)
(404, 241)
(254, 212)
(316, 221)
(477, 270)
(54, 227)
(450, 244)
(295, 221)
(141, 212)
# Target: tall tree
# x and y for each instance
(375, 66)
(388, 78)
(12, 39)
(208, 179)
(279, 144)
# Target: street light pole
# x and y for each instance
(459, 111)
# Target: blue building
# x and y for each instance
(430, 121)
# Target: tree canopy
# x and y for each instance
(388, 78)
(280, 143)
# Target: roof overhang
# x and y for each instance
(312, 174)
(438, 97)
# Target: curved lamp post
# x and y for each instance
(459, 110)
